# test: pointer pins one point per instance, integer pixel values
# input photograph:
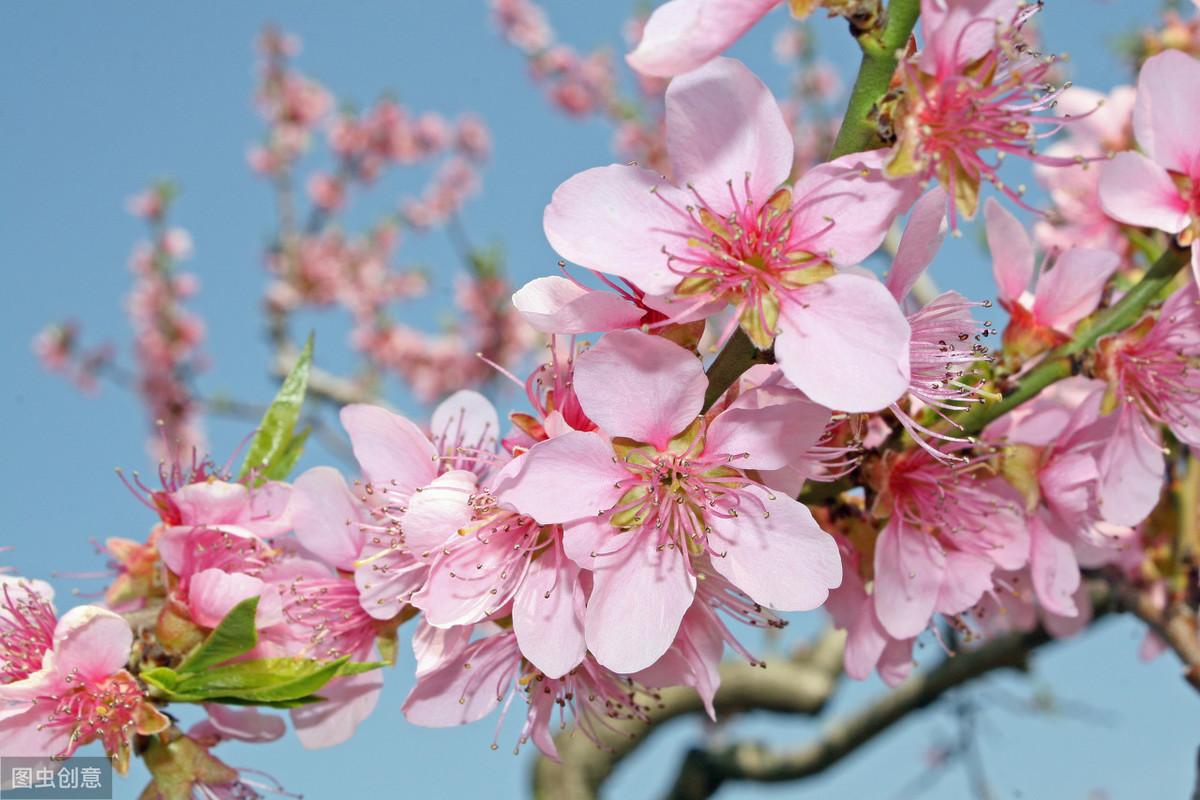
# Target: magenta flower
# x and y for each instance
(1153, 381)
(668, 487)
(1161, 189)
(64, 682)
(726, 233)
(1068, 288)
(974, 86)
(948, 528)
(1055, 444)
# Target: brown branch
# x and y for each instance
(801, 685)
(704, 771)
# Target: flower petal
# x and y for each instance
(909, 569)
(843, 209)
(326, 515)
(770, 434)
(683, 34)
(1011, 249)
(844, 343)
(91, 641)
(391, 450)
(553, 304)
(638, 599)
(1166, 119)
(1136, 191)
(467, 687)
(437, 511)
(617, 219)
(919, 243)
(1072, 289)
(644, 387)
(779, 556)
(566, 478)
(548, 614)
(723, 124)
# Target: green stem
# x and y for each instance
(879, 48)
(1059, 363)
(879, 51)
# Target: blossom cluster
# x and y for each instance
(613, 536)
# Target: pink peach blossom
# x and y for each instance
(731, 237)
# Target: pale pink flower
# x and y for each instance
(730, 237)
(948, 528)
(1068, 288)
(65, 683)
(668, 487)
(974, 86)
(1153, 381)
(1053, 460)
(1161, 189)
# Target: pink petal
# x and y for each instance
(554, 304)
(1131, 469)
(1011, 249)
(436, 512)
(457, 594)
(909, 569)
(638, 600)
(1166, 119)
(326, 515)
(347, 702)
(844, 343)
(244, 724)
(24, 732)
(1136, 191)
(780, 556)
(1072, 289)
(433, 647)
(1053, 569)
(843, 209)
(683, 34)
(465, 421)
(213, 593)
(896, 662)
(210, 503)
(386, 578)
(920, 242)
(391, 450)
(91, 641)
(548, 616)
(773, 435)
(956, 32)
(468, 687)
(722, 124)
(617, 219)
(644, 387)
(694, 659)
(566, 478)
(967, 577)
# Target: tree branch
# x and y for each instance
(704, 771)
(801, 685)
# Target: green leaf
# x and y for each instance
(234, 635)
(266, 680)
(276, 446)
(162, 678)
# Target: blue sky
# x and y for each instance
(97, 99)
